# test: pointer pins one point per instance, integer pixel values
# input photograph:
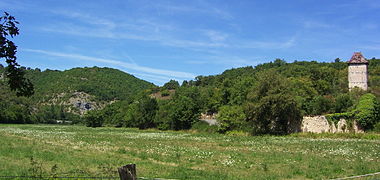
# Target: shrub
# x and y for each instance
(321, 105)
(230, 118)
(165, 93)
(142, 113)
(334, 118)
(367, 111)
(376, 127)
(94, 119)
(237, 133)
(202, 126)
(172, 84)
(342, 103)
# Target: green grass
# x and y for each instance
(81, 151)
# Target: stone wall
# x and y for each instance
(319, 124)
(209, 118)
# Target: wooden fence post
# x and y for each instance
(128, 172)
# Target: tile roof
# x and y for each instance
(357, 58)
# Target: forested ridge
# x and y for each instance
(53, 90)
(267, 98)
(105, 84)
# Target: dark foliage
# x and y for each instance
(172, 84)
(271, 108)
(16, 80)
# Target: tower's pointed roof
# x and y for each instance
(357, 58)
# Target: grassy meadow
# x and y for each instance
(57, 150)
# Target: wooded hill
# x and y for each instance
(58, 91)
(262, 99)
(105, 84)
(269, 98)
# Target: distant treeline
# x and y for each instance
(269, 98)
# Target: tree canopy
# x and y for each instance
(270, 98)
(16, 80)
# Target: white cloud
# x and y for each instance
(135, 67)
(143, 29)
(86, 18)
(191, 44)
(269, 44)
(228, 61)
(215, 36)
(140, 29)
(201, 9)
(71, 29)
(315, 24)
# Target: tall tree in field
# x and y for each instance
(8, 49)
(271, 108)
(142, 112)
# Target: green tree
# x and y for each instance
(172, 84)
(321, 105)
(231, 118)
(94, 119)
(272, 108)
(114, 114)
(164, 117)
(14, 113)
(342, 103)
(131, 116)
(16, 80)
(142, 112)
(185, 112)
(279, 62)
(211, 98)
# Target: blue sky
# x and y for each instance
(159, 40)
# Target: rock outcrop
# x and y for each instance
(319, 124)
(83, 102)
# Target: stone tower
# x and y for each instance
(358, 72)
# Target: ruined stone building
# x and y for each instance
(358, 72)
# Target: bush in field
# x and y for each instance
(231, 118)
(367, 111)
(376, 128)
(202, 126)
(142, 112)
(114, 113)
(14, 113)
(164, 115)
(94, 119)
(49, 114)
(184, 113)
(181, 112)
